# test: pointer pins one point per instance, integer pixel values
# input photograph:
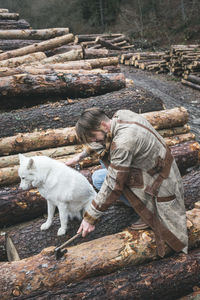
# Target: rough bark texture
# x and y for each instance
(41, 272)
(178, 139)
(43, 46)
(29, 240)
(38, 140)
(33, 34)
(63, 57)
(165, 279)
(16, 61)
(47, 71)
(19, 90)
(7, 45)
(11, 24)
(18, 206)
(66, 112)
(3, 253)
(9, 16)
(66, 136)
(169, 118)
(186, 154)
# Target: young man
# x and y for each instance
(139, 166)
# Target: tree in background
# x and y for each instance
(100, 13)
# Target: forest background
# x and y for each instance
(148, 23)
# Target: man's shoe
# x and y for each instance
(139, 224)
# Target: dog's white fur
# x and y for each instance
(60, 185)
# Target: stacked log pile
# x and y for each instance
(181, 60)
(11, 20)
(115, 41)
(152, 61)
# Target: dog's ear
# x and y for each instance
(31, 164)
(21, 157)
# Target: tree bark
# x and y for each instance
(106, 44)
(126, 248)
(11, 24)
(4, 10)
(168, 118)
(3, 252)
(115, 219)
(43, 46)
(17, 61)
(153, 281)
(67, 56)
(9, 16)
(6, 71)
(190, 84)
(66, 136)
(33, 34)
(194, 79)
(14, 90)
(19, 206)
(186, 154)
(66, 113)
(62, 49)
(7, 45)
(178, 139)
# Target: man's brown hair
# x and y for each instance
(90, 120)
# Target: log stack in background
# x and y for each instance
(11, 20)
(180, 60)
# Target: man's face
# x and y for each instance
(97, 136)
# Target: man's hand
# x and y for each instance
(85, 228)
(72, 161)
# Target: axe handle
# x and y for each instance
(68, 241)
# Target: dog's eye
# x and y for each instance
(23, 177)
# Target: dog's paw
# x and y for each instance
(45, 226)
(61, 231)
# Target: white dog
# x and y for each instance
(60, 185)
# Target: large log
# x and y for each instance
(42, 46)
(22, 89)
(62, 49)
(186, 154)
(12, 24)
(94, 63)
(9, 16)
(153, 281)
(126, 248)
(7, 45)
(33, 34)
(66, 113)
(17, 61)
(63, 57)
(18, 205)
(168, 119)
(106, 44)
(62, 137)
(190, 84)
(115, 219)
(45, 70)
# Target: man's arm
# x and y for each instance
(74, 160)
(113, 185)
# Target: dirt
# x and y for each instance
(172, 92)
